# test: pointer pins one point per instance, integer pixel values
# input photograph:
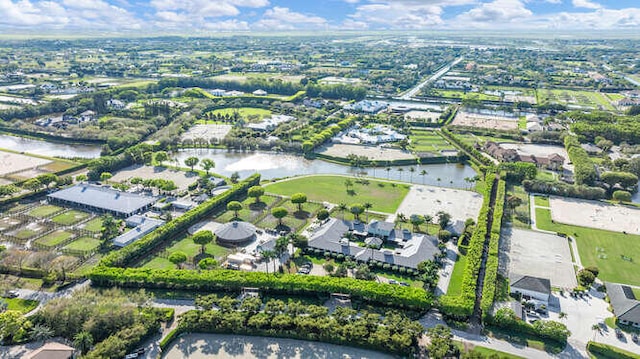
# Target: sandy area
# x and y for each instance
(537, 254)
(418, 115)
(372, 152)
(429, 200)
(207, 132)
(13, 162)
(181, 179)
(595, 214)
(537, 150)
(485, 121)
(201, 346)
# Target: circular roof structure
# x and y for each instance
(236, 232)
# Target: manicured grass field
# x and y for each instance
(186, 245)
(94, 225)
(384, 196)
(70, 217)
(251, 211)
(588, 99)
(159, 263)
(243, 112)
(25, 233)
(545, 175)
(43, 211)
(23, 306)
(83, 244)
(57, 166)
(455, 283)
(541, 201)
(601, 248)
(429, 141)
(54, 238)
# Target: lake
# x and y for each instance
(46, 148)
(272, 165)
(209, 346)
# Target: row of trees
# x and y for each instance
(584, 169)
(391, 332)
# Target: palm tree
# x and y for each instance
(400, 170)
(268, 256)
(596, 329)
(83, 342)
(562, 315)
(342, 207)
(428, 219)
(41, 333)
(423, 173)
(366, 207)
(411, 170)
(374, 164)
(388, 169)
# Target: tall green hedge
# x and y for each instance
(491, 271)
(398, 296)
(584, 168)
(171, 229)
(461, 306)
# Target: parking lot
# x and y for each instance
(537, 254)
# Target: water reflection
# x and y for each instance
(208, 346)
(45, 148)
(272, 165)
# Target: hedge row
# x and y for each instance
(491, 271)
(324, 136)
(216, 280)
(584, 168)
(563, 189)
(461, 306)
(506, 319)
(476, 155)
(170, 230)
(400, 162)
(607, 351)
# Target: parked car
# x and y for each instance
(393, 281)
(634, 337)
(11, 294)
(619, 333)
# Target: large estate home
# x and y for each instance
(553, 162)
(377, 241)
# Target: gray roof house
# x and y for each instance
(625, 305)
(103, 199)
(142, 226)
(533, 287)
(331, 238)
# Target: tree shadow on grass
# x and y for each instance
(351, 192)
(301, 214)
(257, 206)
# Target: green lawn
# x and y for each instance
(251, 211)
(83, 244)
(428, 141)
(186, 245)
(612, 322)
(541, 201)
(159, 263)
(384, 196)
(522, 123)
(23, 306)
(94, 225)
(25, 233)
(70, 217)
(600, 248)
(243, 112)
(44, 211)
(485, 352)
(588, 99)
(54, 238)
(545, 175)
(455, 283)
(520, 216)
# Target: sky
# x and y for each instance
(210, 16)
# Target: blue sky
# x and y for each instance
(207, 16)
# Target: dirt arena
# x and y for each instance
(468, 119)
(595, 214)
(13, 162)
(180, 178)
(372, 152)
(206, 132)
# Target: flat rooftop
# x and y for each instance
(103, 198)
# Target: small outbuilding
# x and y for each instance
(625, 305)
(531, 288)
(235, 233)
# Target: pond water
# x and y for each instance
(272, 165)
(209, 346)
(46, 148)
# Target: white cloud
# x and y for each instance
(494, 13)
(401, 14)
(586, 4)
(282, 18)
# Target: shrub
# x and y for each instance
(586, 278)
(608, 351)
(622, 196)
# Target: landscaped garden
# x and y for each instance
(615, 254)
(21, 305)
(383, 196)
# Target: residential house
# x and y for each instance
(380, 228)
(115, 104)
(52, 350)
(553, 162)
(625, 305)
(260, 92)
(367, 107)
